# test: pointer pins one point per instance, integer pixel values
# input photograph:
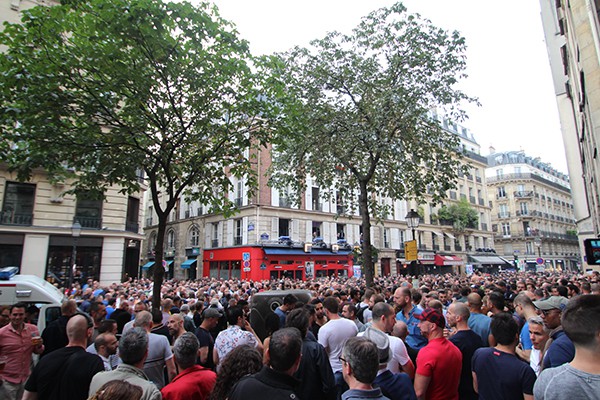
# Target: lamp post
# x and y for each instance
(75, 232)
(412, 220)
(537, 241)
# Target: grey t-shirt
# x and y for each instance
(159, 351)
(566, 382)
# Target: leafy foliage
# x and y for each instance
(358, 116)
(97, 90)
(460, 214)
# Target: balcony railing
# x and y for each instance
(316, 206)
(447, 248)
(524, 193)
(237, 241)
(285, 202)
(504, 215)
(524, 213)
(89, 222)
(238, 202)
(484, 226)
(215, 243)
(12, 218)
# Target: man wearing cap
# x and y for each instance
(207, 343)
(383, 321)
(559, 348)
(396, 386)
(439, 362)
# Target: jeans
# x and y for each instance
(11, 391)
(340, 384)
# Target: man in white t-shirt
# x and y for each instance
(333, 336)
(384, 319)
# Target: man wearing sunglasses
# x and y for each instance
(559, 348)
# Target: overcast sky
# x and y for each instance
(507, 60)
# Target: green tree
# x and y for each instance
(460, 214)
(358, 114)
(97, 90)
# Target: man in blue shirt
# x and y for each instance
(289, 302)
(478, 321)
(406, 313)
(559, 348)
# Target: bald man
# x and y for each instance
(479, 322)
(66, 373)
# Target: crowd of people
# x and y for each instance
(505, 336)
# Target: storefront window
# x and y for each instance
(214, 269)
(236, 271)
(60, 260)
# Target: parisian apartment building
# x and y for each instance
(266, 239)
(572, 32)
(533, 216)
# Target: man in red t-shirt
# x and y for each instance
(439, 362)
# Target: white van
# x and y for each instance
(33, 290)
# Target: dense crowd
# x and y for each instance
(505, 336)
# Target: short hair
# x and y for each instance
(537, 320)
(68, 307)
(581, 320)
(233, 313)
(563, 291)
(351, 307)
(95, 306)
(118, 390)
(133, 345)
(523, 300)
(285, 347)
(462, 311)
(416, 296)
(363, 357)
(18, 305)
(474, 300)
(106, 325)
(289, 299)
(102, 340)
(497, 300)
(299, 319)
(143, 319)
(186, 350)
(504, 328)
(381, 309)
(331, 304)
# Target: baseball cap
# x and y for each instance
(212, 312)
(382, 341)
(551, 303)
(432, 315)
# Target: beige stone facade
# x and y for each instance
(533, 213)
(572, 31)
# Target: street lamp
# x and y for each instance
(75, 232)
(412, 220)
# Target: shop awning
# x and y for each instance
(187, 264)
(488, 260)
(451, 236)
(441, 260)
(148, 265)
(300, 252)
(438, 234)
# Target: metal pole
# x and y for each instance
(74, 264)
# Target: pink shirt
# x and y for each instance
(17, 347)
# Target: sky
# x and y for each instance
(507, 62)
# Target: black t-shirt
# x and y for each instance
(467, 342)
(64, 374)
(206, 339)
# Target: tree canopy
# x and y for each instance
(97, 90)
(358, 114)
(460, 214)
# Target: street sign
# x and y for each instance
(410, 250)
(539, 260)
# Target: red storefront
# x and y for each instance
(275, 262)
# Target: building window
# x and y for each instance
(386, 238)
(506, 229)
(499, 173)
(88, 213)
(316, 200)
(239, 194)
(171, 239)
(503, 211)
(284, 227)
(341, 231)
(194, 237)
(17, 208)
(501, 192)
(237, 234)
(529, 248)
(215, 234)
(316, 229)
(133, 215)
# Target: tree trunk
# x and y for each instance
(159, 271)
(363, 206)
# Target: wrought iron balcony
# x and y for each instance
(12, 218)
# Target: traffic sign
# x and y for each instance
(539, 260)
(410, 250)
